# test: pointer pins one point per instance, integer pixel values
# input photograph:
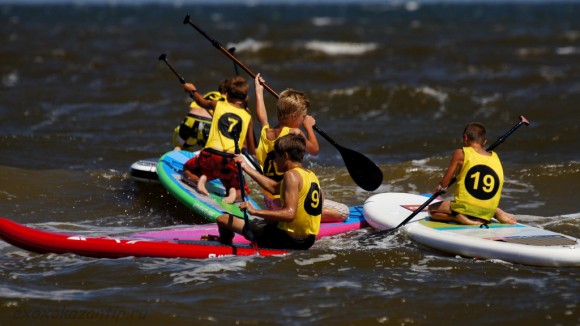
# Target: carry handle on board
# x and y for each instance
(365, 173)
(501, 139)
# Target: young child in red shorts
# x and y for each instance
(229, 125)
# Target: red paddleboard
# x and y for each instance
(181, 242)
(42, 242)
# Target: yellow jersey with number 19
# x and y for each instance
(309, 211)
(479, 185)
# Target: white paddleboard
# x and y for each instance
(145, 170)
(516, 243)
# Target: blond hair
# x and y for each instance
(291, 103)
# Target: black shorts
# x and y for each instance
(270, 236)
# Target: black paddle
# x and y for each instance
(523, 121)
(365, 173)
(163, 57)
(252, 159)
(246, 231)
(232, 50)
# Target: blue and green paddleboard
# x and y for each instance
(169, 170)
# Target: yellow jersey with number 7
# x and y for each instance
(228, 122)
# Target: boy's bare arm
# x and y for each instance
(287, 213)
(198, 98)
(312, 147)
(261, 112)
(454, 164)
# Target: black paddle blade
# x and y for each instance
(364, 172)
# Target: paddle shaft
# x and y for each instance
(247, 232)
(500, 140)
(252, 159)
(232, 50)
(220, 47)
(363, 171)
(163, 57)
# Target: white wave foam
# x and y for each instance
(206, 270)
(326, 21)
(439, 96)
(311, 261)
(340, 48)
(568, 50)
(27, 293)
(10, 79)
(248, 45)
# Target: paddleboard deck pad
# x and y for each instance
(180, 242)
(170, 169)
(516, 243)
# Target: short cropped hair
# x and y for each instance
(223, 86)
(237, 88)
(475, 132)
(293, 144)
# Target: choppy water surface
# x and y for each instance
(83, 96)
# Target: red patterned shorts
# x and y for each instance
(216, 166)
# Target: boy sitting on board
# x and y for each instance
(297, 222)
(216, 160)
(292, 109)
(479, 183)
(193, 131)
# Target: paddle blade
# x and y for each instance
(364, 172)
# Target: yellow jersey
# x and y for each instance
(309, 211)
(227, 121)
(265, 154)
(479, 185)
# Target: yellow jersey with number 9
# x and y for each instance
(479, 185)
(228, 122)
(309, 211)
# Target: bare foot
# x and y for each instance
(201, 185)
(504, 217)
(231, 197)
(460, 218)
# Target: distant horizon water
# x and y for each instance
(268, 2)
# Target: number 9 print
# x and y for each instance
(313, 201)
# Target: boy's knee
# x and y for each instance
(222, 220)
